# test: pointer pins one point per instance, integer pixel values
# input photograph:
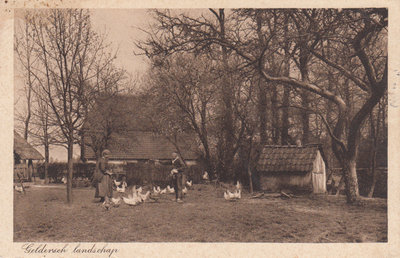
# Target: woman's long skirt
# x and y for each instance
(105, 187)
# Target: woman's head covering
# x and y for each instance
(106, 152)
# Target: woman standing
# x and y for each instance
(177, 174)
(104, 182)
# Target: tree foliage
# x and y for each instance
(322, 58)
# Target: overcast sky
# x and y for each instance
(122, 27)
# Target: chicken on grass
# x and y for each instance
(229, 196)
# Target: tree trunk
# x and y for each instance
(303, 67)
(341, 181)
(209, 165)
(227, 128)
(275, 115)
(285, 116)
(46, 163)
(262, 111)
(262, 92)
(250, 178)
(30, 170)
(305, 118)
(374, 180)
(374, 134)
(286, 91)
(83, 147)
(350, 180)
(26, 122)
(70, 170)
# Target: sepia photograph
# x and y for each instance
(256, 125)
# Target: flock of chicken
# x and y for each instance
(122, 186)
(228, 195)
(136, 196)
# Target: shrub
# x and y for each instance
(56, 171)
(365, 180)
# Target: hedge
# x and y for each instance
(56, 171)
(151, 174)
(365, 180)
(136, 173)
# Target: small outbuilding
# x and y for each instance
(23, 151)
(292, 167)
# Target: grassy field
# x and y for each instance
(43, 215)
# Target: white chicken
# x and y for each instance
(205, 175)
(238, 185)
(145, 196)
(139, 190)
(184, 190)
(133, 194)
(117, 183)
(170, 190)
(133, 198)
(121, 189)
(163, 191)
(64, 180)
(231, 195)
(156, 190)
(116, 201)
(189, 183)
(18, 188)
(226, 196)
(238, 194)
(131, 201)
(107, 205)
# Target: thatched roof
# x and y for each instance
(290, 158)
(142, 145)
(24, 149)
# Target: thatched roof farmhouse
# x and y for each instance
(24, 150)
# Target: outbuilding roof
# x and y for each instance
(24, 149)
(144, 145)
(289, 158)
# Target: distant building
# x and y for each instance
(144, 146)
(23, 151)
(292, 167)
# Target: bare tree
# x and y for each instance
(183, 91)
(71, 55)
(24, 48)
(45, 131)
